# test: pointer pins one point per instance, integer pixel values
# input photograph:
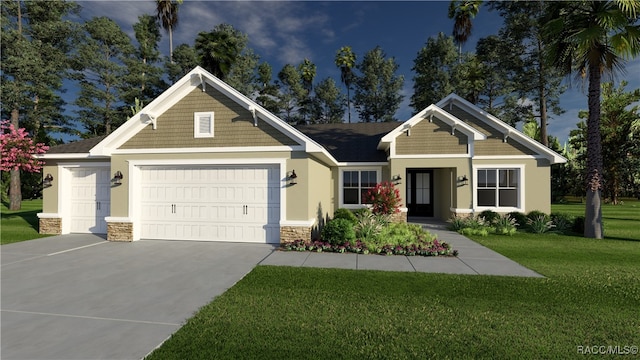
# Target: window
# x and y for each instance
(356, 183)
(498, 188)
(203, 125)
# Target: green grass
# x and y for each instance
(621, 221)
(20, 225)
(590, 297)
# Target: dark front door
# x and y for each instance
(420, 192)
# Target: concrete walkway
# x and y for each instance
(473, 258)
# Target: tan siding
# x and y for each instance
(494, 145)
(431, 138)
(233, 125)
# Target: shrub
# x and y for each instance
(384, 199)
(562, 221)
(338, 231)
(472, 225)
(505, 225)
(489, 216)
(456, 223)
(369, 225)
(346, 214)
(520, 218)
(535, 214)
(540, 224)
(578, 225)
(361, 212)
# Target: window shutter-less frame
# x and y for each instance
(203, 125)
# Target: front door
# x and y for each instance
(420, 192)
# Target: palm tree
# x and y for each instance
(462, 11)
(217, 51)
(593, 38)
(346, 60)
(167, 13)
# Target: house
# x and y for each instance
(204, 162)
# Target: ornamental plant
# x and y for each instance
(17, 149)
(384, 199)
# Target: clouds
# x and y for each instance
(278, 30)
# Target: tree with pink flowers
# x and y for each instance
(18, 151)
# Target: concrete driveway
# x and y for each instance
(81, 297)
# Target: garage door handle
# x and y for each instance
(245, 210)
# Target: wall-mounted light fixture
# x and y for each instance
(396, 179)
(291, 178)
(117, 178)
(47, 181)
(463, 180)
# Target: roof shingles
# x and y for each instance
(355, 142)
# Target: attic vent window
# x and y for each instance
(203, 125)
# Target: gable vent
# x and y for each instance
(203, 124)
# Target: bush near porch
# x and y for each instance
(537, 222)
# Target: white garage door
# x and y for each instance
(211, 203)
(89, 200)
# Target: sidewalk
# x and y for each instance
(473, 259)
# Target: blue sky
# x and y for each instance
(289, 31)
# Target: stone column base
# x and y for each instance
(292, 233)
(119, 231)
(50, 226)
(400, 217)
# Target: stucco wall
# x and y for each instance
(537, 181)
(50, 194)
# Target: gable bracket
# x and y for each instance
(202, 82)
(151, 118)
(506, 136)
(252, 109)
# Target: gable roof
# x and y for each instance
(456, 124)
(199, 77)
(506, 129)
(355, 142)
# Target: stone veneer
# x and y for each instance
(293, 233)
(120, 231)
(50, 226)
(400, 217)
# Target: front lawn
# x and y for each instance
(590, 297)
(22, 224)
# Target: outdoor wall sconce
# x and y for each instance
(463, 180)
(47, 181)
(292, 178)
(117, 178)
(396, 179)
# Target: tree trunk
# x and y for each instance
(170, 44)
(593, 211)
(15, 194)
(544, 139)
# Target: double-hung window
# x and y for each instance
(499, 188)
(356, 183)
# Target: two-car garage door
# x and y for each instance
(210, 203)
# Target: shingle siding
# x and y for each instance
(233, 125)
(494, 145)
(431, 138)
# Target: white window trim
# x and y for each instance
(503, 209)
(196, 127)
(378, 171)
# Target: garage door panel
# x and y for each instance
(216, 203)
